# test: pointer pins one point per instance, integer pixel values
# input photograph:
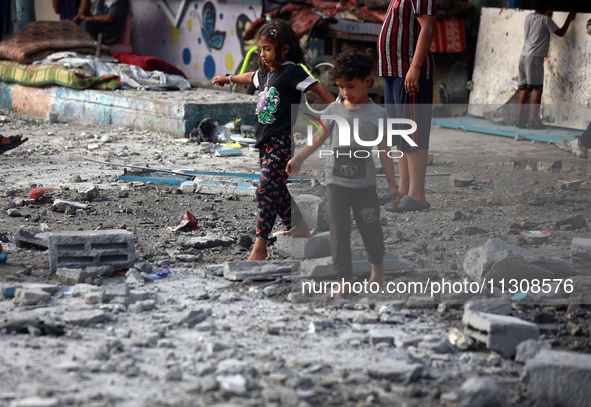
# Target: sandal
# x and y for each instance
(536, 125)
(407, 204)
(15, 141)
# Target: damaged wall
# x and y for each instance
(207, 41)
(567, 84)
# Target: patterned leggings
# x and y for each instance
(273, 198)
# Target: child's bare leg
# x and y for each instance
(523, 99)
(301, 229)
(535, 104)
(377, 275)
(259, 250)
(339, 288)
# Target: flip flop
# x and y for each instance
(407, 204)
(15, 141)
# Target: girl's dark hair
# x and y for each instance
(279, 33)
(540, 5)
(351, 64)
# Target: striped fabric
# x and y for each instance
(39, 75)
(398, 37)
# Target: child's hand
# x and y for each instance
(293, 167)
(571, 15)
(220, 81)
(394, 195)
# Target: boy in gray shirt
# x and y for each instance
(538, 28)
(350, 169)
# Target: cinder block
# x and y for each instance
(315, 211)
(90, 248)
(303, 247)
(500, 333)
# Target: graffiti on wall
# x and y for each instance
(212, 37)
(207, 40)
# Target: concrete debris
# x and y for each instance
(301, 248)
(559, 378)
(500, 333)
(497, 260)
(480, 392)
(258, 270)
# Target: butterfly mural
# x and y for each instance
(212, 38)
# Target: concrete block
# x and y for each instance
(498, 260)
(559, 378)
(31, 235)
(258, 270)
(303, 247)
(72, 276)
(26, 296)
(207, 241)
(315, 211)
(500, 333)
(92, 248)
(89, 193)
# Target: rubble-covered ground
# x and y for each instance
(194, 338)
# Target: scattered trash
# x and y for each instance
(242, 140)
(231, 145)
(161, 274)
(189, 222)
(518, 296)
(227, 152)
(535, 236)
(204, 132)
(38, 192)
(93, 146)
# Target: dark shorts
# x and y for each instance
(418, 108)
(531, 72)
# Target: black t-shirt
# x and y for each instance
(278, 92)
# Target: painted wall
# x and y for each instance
(567, 80)
(206, 41)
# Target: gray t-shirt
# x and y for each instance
(353, 166)
(538, 28)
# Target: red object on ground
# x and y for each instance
(38, 192)
(147, 62)
(189, 221)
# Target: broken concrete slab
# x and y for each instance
(207, 241)
(81, 249)
(500, 333)
(559, 378)
(395, 370)
(28, 296)
(528, 350)
(61, 205)
(258, 270)
(315, 211)
(31, 235)
(301, 248)
(84, 318)
(322, 267)
(497, 259)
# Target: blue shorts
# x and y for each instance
(417, 107)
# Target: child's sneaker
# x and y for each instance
(572, 146)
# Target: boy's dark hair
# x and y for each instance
(351, 64)
(279, 33)
(540, 5)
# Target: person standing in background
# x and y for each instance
(407, 65)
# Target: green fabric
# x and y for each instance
(39, 75)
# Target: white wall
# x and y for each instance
(567, 81)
